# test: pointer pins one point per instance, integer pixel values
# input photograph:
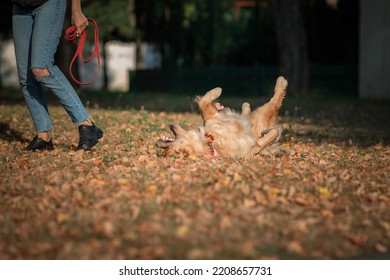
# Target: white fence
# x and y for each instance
(121, 58)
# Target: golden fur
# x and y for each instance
(228, 133)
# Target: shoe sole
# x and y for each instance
(87, 147)
(34, 150)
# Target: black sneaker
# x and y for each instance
(89, 136)
(39, 144)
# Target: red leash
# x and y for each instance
(71, 35)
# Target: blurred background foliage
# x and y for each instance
(204, 32)
(212, 32)
(223, 33)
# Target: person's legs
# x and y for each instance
(37, 33)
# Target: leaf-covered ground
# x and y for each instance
(329, 199)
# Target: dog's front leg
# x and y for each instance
(270, 136)
(208, 108)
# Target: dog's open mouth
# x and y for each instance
(163, 143)
(166, 141)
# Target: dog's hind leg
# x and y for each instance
(265, 116)
(269, 137)
(206, 103)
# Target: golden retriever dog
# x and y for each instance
(226, 133)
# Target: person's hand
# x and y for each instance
(80, 22)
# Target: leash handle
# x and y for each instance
(71, 35)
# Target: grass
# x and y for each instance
(328, 200)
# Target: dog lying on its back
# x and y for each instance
(225, 132)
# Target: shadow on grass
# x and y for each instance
(349, 121)
(10, 135)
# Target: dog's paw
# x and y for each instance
(213, 94)
(246, 106)
(246, 109)
(265, 132)
(281, 83)
(219, 106)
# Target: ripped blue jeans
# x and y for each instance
(36, 35)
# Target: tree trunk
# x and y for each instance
(293, 53)
(211, 37)
(374, 67)
(134, 17)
